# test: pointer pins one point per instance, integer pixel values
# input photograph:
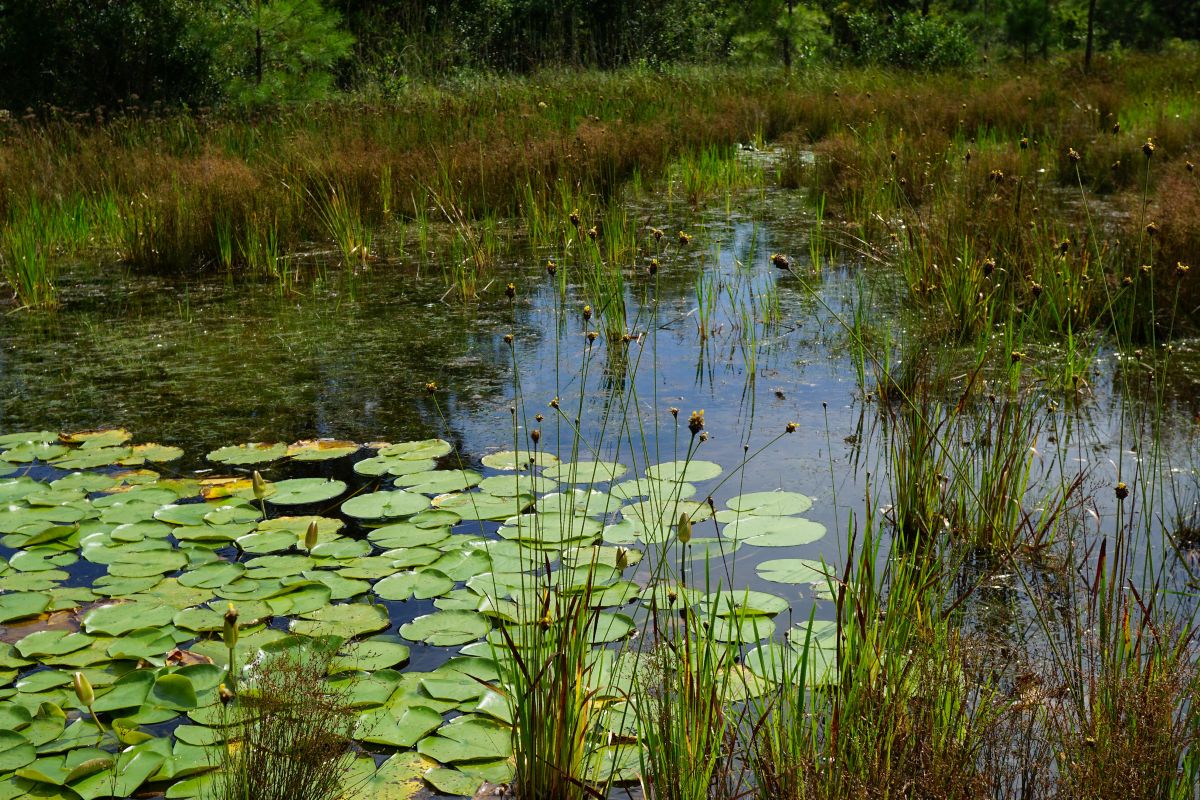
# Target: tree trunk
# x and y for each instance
(1087, 53)
(258, 57)
(787, 40)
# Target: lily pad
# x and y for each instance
(421, 584)
(684, 471)
(18, 605)
(345, 619)
(586, 471)
(446, 628)
(468, 738)
(479, 506)
(385, 505)
(371, 654)
(770, 531)
(793, 570)
(321, 449)
(249, 453)
(777, 503)
(303, 491)
(509, 460)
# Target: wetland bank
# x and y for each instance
(690, 432)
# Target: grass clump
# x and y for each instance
(289, 730)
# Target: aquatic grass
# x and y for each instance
(291, 730)
(344, 224)
(28, 269)
(885, 703)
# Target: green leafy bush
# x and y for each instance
(910, 41)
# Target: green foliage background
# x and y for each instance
(83, 54)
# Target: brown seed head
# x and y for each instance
(535, 435)
(1116, 128)
(593, 234)
(430, 387)
(510, 291)
(1073, 155)
(989, 266)
(1151, 229)
(551, 267)
(1024, 143)
(653, 268)
(1121, 490)
(1181, 269)
(1149, 147)
(508, 339)
(1016, 356)
(587, 313)
(1127, 281)
(781, 261)
(790, 427)
(574, 217)
(684, 239)
(674, 412)
(554, 403)
(696, 422)
(591, 336)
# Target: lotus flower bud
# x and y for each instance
(684, 529)
(230, 631)
(83, 690)
(260, 486)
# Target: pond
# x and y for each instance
(381, 403)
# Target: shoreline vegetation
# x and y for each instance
(241, 191)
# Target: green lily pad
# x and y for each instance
(509, 460)
(321, 450)
(439, 481)
(398, 778)
(249, 453)
(480, 506)
(371, 654)
(793, 570)
(406, 534)
(385, 505)
(412, 451)
(586, 471)
(41, 644)
(303, 491)
(395, 465)
(742, 602)
(516, 484)
(15, 751)
(468, 738)
(158, 453)
(28, 452)
(19, 605)
(770, 531)
(740, 629)
(453, 782)
(684, 471)
(774, 504)
(422, 584)
(446, 628)
(402, 727)
(90, 458)
(120, 618)
(345, 619)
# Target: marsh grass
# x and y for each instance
(291, 731)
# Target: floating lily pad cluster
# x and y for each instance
(123, 574)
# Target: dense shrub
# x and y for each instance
(910, 41)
